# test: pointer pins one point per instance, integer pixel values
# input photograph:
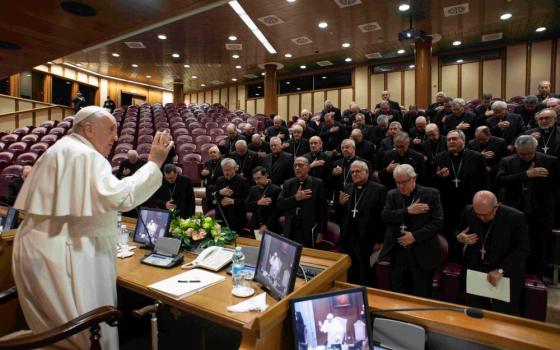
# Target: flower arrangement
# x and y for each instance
(200, 230)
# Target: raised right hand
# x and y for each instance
(161, 146)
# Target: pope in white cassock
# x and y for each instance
(64, 257)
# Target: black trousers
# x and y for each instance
(360, 272)
(540, 230)
(407, 276)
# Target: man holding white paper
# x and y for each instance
(496, 242)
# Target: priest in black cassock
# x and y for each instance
(496, 242)
(297, 145)
(528, 110)
(320, 163)
(402, 154)
(529, 180)
(418, 133)
(414, 216)
(332, 133)
(279, 164)
(362, 227)
(329, 108)
(176, 192)
(459, 173)
(229, 142)
(364, 148)
(129, 166)
(547, 133)
(231, 191)
(277, 130)
(434, 144)
(460, 119)
(304, 206)
(210, 174)
(246, 160)
(258, 145)
(261, 202)
(492, 148)
(505, 125)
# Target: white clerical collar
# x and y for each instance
(82, 140)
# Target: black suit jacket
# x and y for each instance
(264, 147)
(528, 116)
(323, 172)
(516, 127)
(297, 148)
(272, 131)
(229, 144)
(452, 121)
(183, 195)
(332, 140)
(313, 210)
(337, 115)
(235, 213)
(246, 165)
(415, 159)
(496, 145)
(424, 227)
(263, 215)
(552, 151)
(282, 169)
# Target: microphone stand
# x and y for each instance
(470, 311)
(219, 206)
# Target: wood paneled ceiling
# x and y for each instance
(201, 39)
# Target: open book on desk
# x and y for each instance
(186, 283)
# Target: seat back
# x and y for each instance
(398, 335)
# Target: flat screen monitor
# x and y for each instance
(11, 219)
(277, 264)
(334, 320)
(151, 225)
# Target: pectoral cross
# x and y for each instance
(482, 253)
(297, 210)
(545, 149)
(456, 181)
(403, 227)
(354, 211)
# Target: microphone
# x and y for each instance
(222, 214)
(150, 244)
(469, 311)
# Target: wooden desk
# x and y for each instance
(263, 330)
(495, 329)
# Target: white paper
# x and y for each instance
(477, 284)
(178, 290)
(256, 303)
(374, 257)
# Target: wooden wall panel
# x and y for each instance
(377, 86)
(224, 96)
(332, 95)
(394, 85)
(25, 119)
(200, 98)
(469, 81)
(540, 63)
(241, 96)
(435, 74)
(260, 106)
(251, 107)
(361, 86)
(69, 73)
(7, 124)
(492, 77)
(318, 101)
(283, 107)
(409, 84)
(208, 96)
(306, 99)
(56, 114)
(345, 98)
(232, 98)
(449, 80)
(187, 99)
(515, 70)
(154, 96)
(216, 96)
(166, 97)
(294, 107)
(7, 105)
(82, 77)
(41, 116)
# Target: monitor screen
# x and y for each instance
(11, 219)
(151, 225)
(277, 264)
(334, 320)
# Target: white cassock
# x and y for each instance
(335, 329)
(64, 257)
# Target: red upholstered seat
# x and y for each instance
(216, 132)
(146, 131)
(10, 138)
(128, 131)
(198, 131)
(21, 131)
(445, 252)
(17, 148)
(182, 139)
(28, 158)
(191, 157)
(219, 138)
(331, 239)
(6, 157)
(177, 125)
(123, 148)
(180, 131)
(186, 147)
(39, 148)
(202, 139)
(211, 125)
(64, 125)
(126, 139)
(30, 139)
(48, 124)
(40, 131)
(144, 148)
(192, 171)
(50, 139)
(118, 158)
(58, 131)
(2, 146)
(145, 139)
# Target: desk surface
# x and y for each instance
(211, 302)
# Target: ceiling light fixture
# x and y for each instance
(233, 79)
(298, 89)
(79, 65)
(175, 55)
(288, 83)
(251, 25)
(404, 7)
(237, 67)
(457, 43)
(540, 29)
(186, 66)
(49, 62)
(345, 45)
(291, 0)
(162, 37)
(348, 59)
(114, 54)
(288, 55)
(263, 74)
(148, 76)
(323, 77)
(400, 52)
(194, 77)
(506, 16)
(134, 65)
(235, 56)
(460, 61)
(302, 67)
(257, 95)
(411, 66)
(259, 87)
(232, 38)
(323, 25)
(203, 85)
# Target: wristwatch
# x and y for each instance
(501, 271)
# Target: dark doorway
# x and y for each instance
(89, 93)
(61, 91)
(128, 99)
(5, 86)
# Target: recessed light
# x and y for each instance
(134, 65)
(68, 83)
(400, 52)
(257, 95)
(460, 61)
(49, 62)
(457, 43)
(346, 45)
(148, 76)
(303, 66)
(540, 29)
(259, 87)
(505, 16)
(162, 37)
(404, 7)
(78, 9)
(298, 89)
(323, 25)
(176, 55)
(291, 0)
(194, 77)
(28, 75)
(288, 83)
(79, 65)
(114, 54)
(323, 77)
(186, 66)
(237, 67)
(348, 59)
(411, 66)
(233, 79)
(287, 55)
(232, 38)
(235, 56)
(203, 85)
(263, 74)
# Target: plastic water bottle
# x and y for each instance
(237, 267)
(119, 222)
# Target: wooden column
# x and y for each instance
(47, 88)
(270, 95)
(14, 85)
(178, 95)
(423, 71)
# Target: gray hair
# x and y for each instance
(89, 114)
(304, 159)
(484, 130)
(241, 143)
(255, 136)
(459, 102)
(531, 100)
(459, 132)
(357, 131)
(216, 148)
(401, 136)
(406, 169)
(526, 140)
(431, 127)
(132, 153)
(360, 115)
(396, 123)
(547, 110)
(231, 126)
(499, 105)
(543, 82)
(275, 139)
(361, 164)
(297, 126)
(350, 141)
(441, 93)
(420, 119)
(228, 161)
(277, 118)
(383, 119)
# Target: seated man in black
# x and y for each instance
(176, 192)
(210, 174)
(496, 241)
(246, 160)
(261, 201)
(14, 186)
(129, 166)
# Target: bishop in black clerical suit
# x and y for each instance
(529, 183)
(459, 119)
(129, 166)
(304, 206)
(547, 133)
(231, 192)
(496, 242)
(261, 202)
(402, 154)
(176, 191)
(297, 145)
(414, 216)
(320, 164)
(505, 125)
(362, 227)
(492, 148)
(434, 144)
(246, 160)
(211, 173)
(229, 142)
(279, 164)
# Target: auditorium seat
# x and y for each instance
(123, 148)
(204, 148)
(40, 131)
(216, 132)
(57, 131)
(202, 139)
(21, 131)
(183, 139)
(48, 124)
(2, 146)
(192, 171)
(126, 139)
(191, 157)
(145, 139)
(17, 148)
(180, 131)
(30, 139)
(10, 138)
(28, 158)
(186, 147)
(11, 171)
(128, 131)
(144, 148)
(39, 148)
(451, 283)
(331, 238)
(118, 158)
(436, 284)
(64, 125)
(219, 139)
(50, 139)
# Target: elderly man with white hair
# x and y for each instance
(246, 160)
(277, 130)
(129, 166)
(329, 108)
(547, 133)
(544, 91)
(64, 258)
(504, 124)
(232, 137)
(460, 119)
(259, 145)
(210, 174)
(297, 145)
(231, 193)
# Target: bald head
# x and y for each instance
(132, 156)
(485, 205)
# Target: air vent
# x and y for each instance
(369, 27)
(302, 40)
(373, 55)
(216, 82)
(251, 76)
(456, 10)
(271, 20)
(347, 3)
(135, 44)
(234, 47)
(492, 37)
(324, 63)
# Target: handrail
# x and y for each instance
(28, 100)
(33, 110)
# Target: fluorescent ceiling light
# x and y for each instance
(176, 55)
(162, 37)
(203, 85)
(194, 77)
(404, 7)
(460, 61)
(288, 55)
(346, 45)
(233, 79)
(237, 67)
(348, 59)
(401, 51)
(251, 25)
(134, 65)
(505, 16)
(186, 66)
(302, 67)
(411, 66)
(323, 25)
(235, 56)
(540, 29)
(114, 54)
(457, 43)
(232, 38)
(148, 76)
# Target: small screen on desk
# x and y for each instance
(11, 219)
(334, 320)
(277, 264)
(151, 225)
